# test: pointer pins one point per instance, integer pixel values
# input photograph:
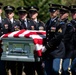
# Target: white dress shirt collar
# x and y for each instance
(35, 20)
(0, 19)
(11, 20)
(25, 22)
(52, 19)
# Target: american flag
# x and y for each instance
(37, 37)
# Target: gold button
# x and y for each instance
(47, 34)
(2, 32)
(47, 42)
(47, 38)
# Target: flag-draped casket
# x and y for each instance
(21, 45)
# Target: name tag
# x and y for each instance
(6, 26)
(53, 29)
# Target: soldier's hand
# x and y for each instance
(43, 49)
(43, 65)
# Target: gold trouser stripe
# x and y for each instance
(69, 67)
(60, 67)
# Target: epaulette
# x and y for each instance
(69, 24)
(73, 21)
(18, 20)
(29, 19)
(62, 22)
(15, 18)
(41, 22)
(68, 21)
(3, 19)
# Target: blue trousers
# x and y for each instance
(67, 66)
(73, 67)
(2, 68)
(53, 66)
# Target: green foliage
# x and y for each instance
(42, 4)
(43, 8)
(14, 3)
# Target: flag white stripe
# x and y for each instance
(38, 47)
(24, 33)
(36, 36)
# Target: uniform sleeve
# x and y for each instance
(43, 25)
(69, 32)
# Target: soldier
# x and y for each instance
(9, 24)
(25, 22)
(33, 14)
(39, 25)
(0, 16)
(2, 64)
(54, 46)
(29, 25)
(73, 21)
(64, 14)
(1, 12)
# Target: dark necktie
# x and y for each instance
(10, 23)
(36, 25)
(23, 24)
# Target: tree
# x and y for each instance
(42, 4)
(14, 3)
(43, 7)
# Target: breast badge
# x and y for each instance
(60, 30)
(53, 29)
(16, 28)
(6, 26)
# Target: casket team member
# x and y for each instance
(54, 46)
(2, 64)
(9, 24)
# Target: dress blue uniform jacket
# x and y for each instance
(55, 31)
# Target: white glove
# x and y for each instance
(43, 49)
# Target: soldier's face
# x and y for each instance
(0, 11)
(74, 15)
(33, 15)
(54, 14)
(10, 15)
(64, 16)
(23, 16)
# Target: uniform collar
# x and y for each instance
(25, 20)
(11, 20)
(65, 20)
(52, 19)
(0, 19)
(35, 20)
(73, 21)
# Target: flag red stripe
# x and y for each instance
(17, 34)
(6, 35)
